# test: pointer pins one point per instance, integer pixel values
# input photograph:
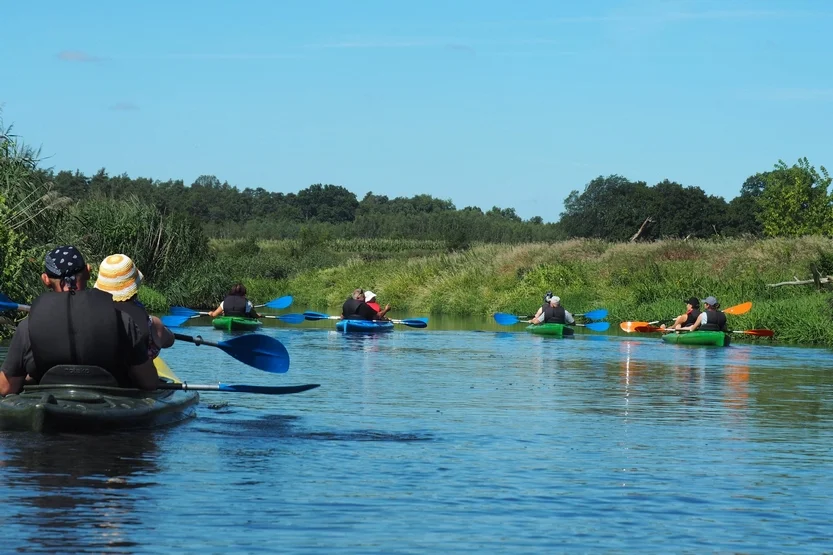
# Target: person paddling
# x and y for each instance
(71, 324)
(553, 313)
(236, 304)
(710, 319)
(355, 308)
(370, 299)
(690, 316)
(543, 307)
(119, 276)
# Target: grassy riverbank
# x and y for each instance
(645, 281)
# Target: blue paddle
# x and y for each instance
(187, 313)
(8, 304)
(235, 388)
(597, 314)
(510, 319)
(257, 350)
(278, 304)
(410, 322)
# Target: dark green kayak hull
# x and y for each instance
(84, 409)
(236, 323)
(553, 330)
(713, 338)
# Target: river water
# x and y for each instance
(453, 441)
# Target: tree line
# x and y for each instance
(785, 201)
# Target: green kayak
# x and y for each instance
(236, 323)
(715, 338)
(83, 399)
(554, 330)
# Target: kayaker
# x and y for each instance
(710, 319)
(370, 299)
(119, 276)
(544, 306)
(236, 304)
(690, 316)
(553, 313)
(355, 308)
(71, 324)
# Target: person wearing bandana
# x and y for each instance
(70, 324)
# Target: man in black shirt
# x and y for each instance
(71, 324)
(354, 308)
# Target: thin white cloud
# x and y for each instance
(220, 56)
(77, 56)
(124, 107)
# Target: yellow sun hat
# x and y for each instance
(119, 276)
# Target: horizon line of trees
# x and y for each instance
(786, 201)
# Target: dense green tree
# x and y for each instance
(795, 201)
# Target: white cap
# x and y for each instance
(555, 299)
(369, 296)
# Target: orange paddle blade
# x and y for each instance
(758, 333)
(630, 327)
(649, 329)
(742, 308)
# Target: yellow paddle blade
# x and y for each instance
(630, 327)
(163, 370)
(742, 308)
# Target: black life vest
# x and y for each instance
(82, 328)
(692, 317)
(555, 315)
(716, 321)
(235, 305)
(350, 308)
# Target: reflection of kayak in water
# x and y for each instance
(555, 330)
(697, 337)
(87, 399)
(364, 325)
(236, 323)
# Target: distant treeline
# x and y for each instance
(787, 201)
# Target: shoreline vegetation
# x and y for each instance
(634, 249)
(634, 281)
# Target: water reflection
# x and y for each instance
(70, 494)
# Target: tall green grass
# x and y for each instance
(645, 281)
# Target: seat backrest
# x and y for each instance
(78, 375)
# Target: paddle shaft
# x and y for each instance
(198, 340)
(236, 388)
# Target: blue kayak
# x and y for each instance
(364, 325)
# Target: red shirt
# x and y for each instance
(374, 305)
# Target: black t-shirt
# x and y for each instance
(20, 362)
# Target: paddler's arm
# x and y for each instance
(700, 320)
(19, 361)
(141, 370)
(162, 336)
(217, 311)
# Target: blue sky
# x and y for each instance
(485, 103)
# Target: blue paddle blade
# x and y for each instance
(283, 302)
(260, 351)
(5, 299)
(598, 326)
(506, 319)
(596, 314)
(315, 316)
(182, 311)
(291, 318)
(8, 305)
(414, 322)
(266, 389)
(174, 321)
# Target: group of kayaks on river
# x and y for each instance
(88, 358)
(693, 327)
